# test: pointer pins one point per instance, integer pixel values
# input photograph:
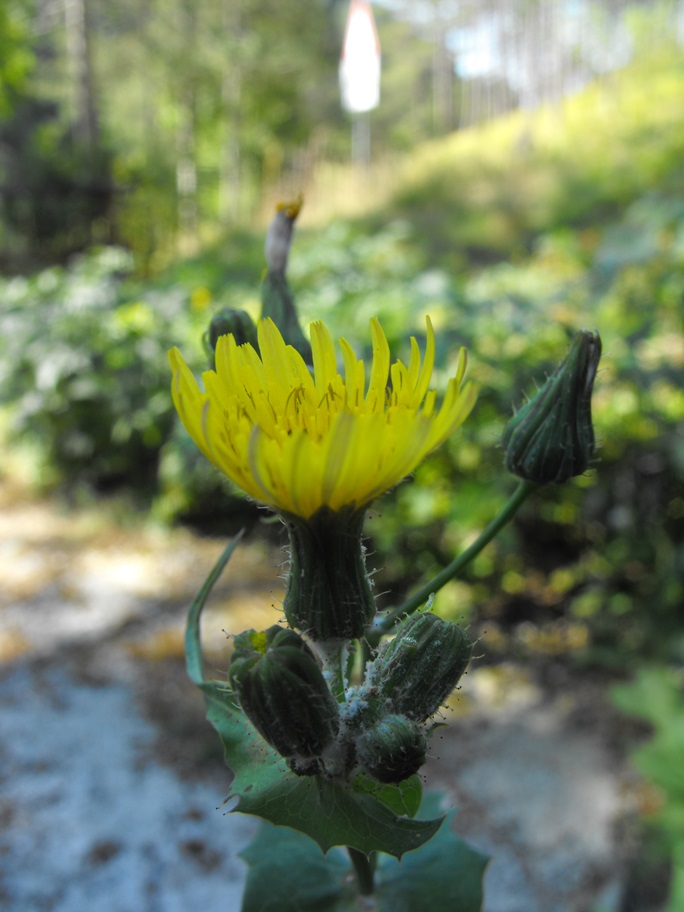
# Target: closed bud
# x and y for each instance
(392, 749)
(279, 235)
(277, 300)
(229, 321)
(551, 438)
(280, 686)
(415, 672)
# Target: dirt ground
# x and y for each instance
(112, 782)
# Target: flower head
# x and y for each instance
(298, 442)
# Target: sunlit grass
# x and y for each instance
(489, 186)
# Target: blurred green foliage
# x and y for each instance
(85, 368)
(56, 193)
(16, 53)
(86, 375)
(657, 696)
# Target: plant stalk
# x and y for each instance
(334, 656)
(364, 868)
(385, 623)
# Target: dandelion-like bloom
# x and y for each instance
(318, 449)
(298, 442)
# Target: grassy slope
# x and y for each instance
(484, 193)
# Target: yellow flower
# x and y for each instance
(298, 442)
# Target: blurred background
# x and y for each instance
(521, 177)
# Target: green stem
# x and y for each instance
(193, 646)
(364, 868)
(334, 656)
(386, 622)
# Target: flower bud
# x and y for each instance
(392, 749)
(551, 438)
(416, 671)
(280, 686)
(229, 321)
(279, 235)
(277, 300)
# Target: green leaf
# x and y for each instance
(404, 798)
(655, 694)
(289, 874)
(676, 897)
(444, 874)
(193, 647)
(331, 813)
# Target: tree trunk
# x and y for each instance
(231, 95)
(76, 22)
(186, 178)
